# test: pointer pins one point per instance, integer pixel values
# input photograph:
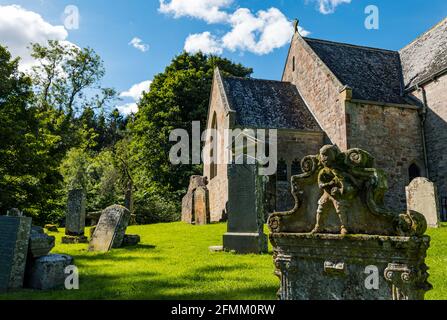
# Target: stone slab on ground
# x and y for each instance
(131, 240)
(74, 239)
(48, 272)
(14, 241)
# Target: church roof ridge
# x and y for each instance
(351, 45)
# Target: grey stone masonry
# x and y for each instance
(14, 237)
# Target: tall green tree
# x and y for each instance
(28, 173)
(176, 97)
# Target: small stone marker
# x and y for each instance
(422, 198)
(14, 237)
(131, 240)
(111, 228)
(75, 218)
(40, 244)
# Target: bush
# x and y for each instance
(154, 208)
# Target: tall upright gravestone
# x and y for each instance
(111, 229)
(422, 197)
(14, 237)
(245, 207)
(75, 217)
(339, 234)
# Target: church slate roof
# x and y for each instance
(425, 56)
(268, 104)
(373, 74)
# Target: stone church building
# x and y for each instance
(390, 103)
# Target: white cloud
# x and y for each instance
(128, 108)
(329, 6)
(19, 27)
(138, 44)
(135, 93)
(260, 33)
(204, 42)
(208, 10)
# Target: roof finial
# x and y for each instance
(295, 24)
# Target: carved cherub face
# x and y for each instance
(328, 155)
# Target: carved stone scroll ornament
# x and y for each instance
(345, 185)
(404, 279)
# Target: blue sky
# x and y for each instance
(109, 26)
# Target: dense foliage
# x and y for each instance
(59, 130)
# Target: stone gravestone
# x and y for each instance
(201, 206)
(422, 197)
(245, 207)
(75, 218)
(195, 204)
(14, 237)
(111, 229)
(339, 234)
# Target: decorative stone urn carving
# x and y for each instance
(339, 229)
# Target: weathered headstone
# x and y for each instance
(14, 237)
(422, 197)
(75, 218)
(195, 204)
(245, 207)
(340, 242)
(111, 228)
(48, 272)
(201, 206)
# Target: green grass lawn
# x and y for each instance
(173, 262)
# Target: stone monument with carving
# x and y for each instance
(340, 242)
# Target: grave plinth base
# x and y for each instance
(245, 243)
(74, 239)
(352, 267)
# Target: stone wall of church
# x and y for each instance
(393, 136)
(436, 132)
(218, 185)
(318, 87)
(293, 146)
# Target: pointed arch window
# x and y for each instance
(414, 172)
(213, 148)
